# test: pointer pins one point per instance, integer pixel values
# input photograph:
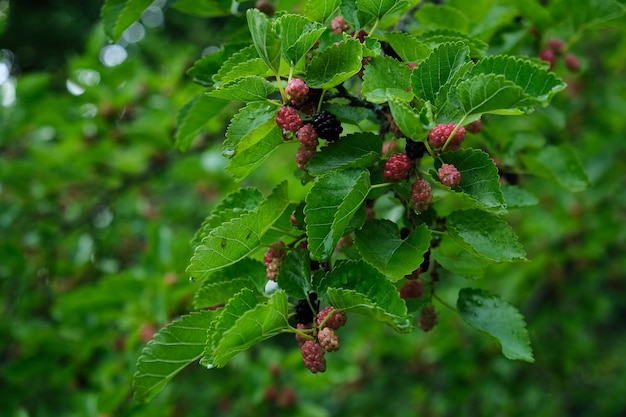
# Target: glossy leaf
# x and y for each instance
(485, 234)
(435, 71)
(298, 34)
(193, 117)
(559, 164)
(357, 150)
(477, 48)
(243, 63)
(518, 197)
(118, 15)
(492, 315)
(335, 64)
(385, 78)
(248, 159)
(266, 42)
(376, 9)
(249, 126)
(380, 245)
(172, 349)
(330, 205)
(232, 241)
(320, 10)
(407, 118)
(355, 286)
(479, 177)
(408, 46)
(294, 275)
(204, 8)
(442, 16)
(205, 68)
(458, 260)
(250, 88)
(260, 323)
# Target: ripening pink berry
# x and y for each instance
(313, 356)
(339, 25)
(335, 321)
(548, 55)
(438, 136)
(397, 167)
(421, 195)
(297, 90)
(288, 118)
(572, 63)
(449, 175)
(328, 339)
(307, 136)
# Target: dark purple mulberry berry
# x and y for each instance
(327, 125)
(414, 150)
(412, 289)
(303, 313)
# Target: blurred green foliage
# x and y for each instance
(97, 210)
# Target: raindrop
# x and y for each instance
(192, 279)
(73, 88)
(228, 152)
(209, 366)
(7, 93)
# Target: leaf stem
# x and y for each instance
(445, 304)
(453, 133)
(384, 184)
(319, 104)
(279, 81)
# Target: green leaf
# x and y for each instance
(485, 234)
(204, 69)
(436, 37)
(435, 71)
(294, 275)
(249, 126)
(385, 78)
(380, 245)
(193, 117)
(407, 119)
(243, 63)
(559, 164)
(535, 81)
(357, 150)
(298, 34)
(488, 93)
(232, 241)
(357, 287)
(587, 14)
(479, 177)
(204, 8)
(260, 323)
(442, 16)
(320, 10)
(242, 302)
(458, 260)
(408, 47)
(118, 15)
(232, 206)
(171, 349)
(377, 9)
(492, 315)
(265, 40)
(247, 160)
(223, 284)
(518, 197)
(330, 205)
(250, 88)
(335, 64)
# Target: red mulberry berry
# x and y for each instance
(304, 155)
(335, 321)
(412, 289)
(328, 339)
(297, 90)
(313, 356)
(307, 136)
(449, 175)
(557, 45)
(288, 118)
(571, 62)
(299, 338)
(428, 318)
(475, 127)
(397, 167)
(439, 135)
(548, 55)
(272, 259)
(421, 195)
(339, 25)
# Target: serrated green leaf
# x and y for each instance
(172, 348)
(260, 323)
(298, 34)
(437, 37)
(266, 42)
(330, 205)
(385, 78)
(204, 8)
(587, 14)
(250, 88)
(204, 69)
(442, 16)
(244, 301)
(243, 63)
(118, 15)
(492, 315)
(250, 125)
(335, 64)
(407, 118)
(380, 245)
(357, 150)
(518, 197)
(533, 79)
(193, 117)
(320, 10)
(355, 286)
(408, 47)
(352, 114)
(223, 284)
(294, 275)
(232, 241)
(232, 206)
(458, 260)
(485, 234)
(479, 177)
(248, 159)
(377, 9)
(559, 164)
(435, 71)
(488, 93)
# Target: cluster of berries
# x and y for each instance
(323, 124)
(323, 337)
(273, 258)
(557, 48)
